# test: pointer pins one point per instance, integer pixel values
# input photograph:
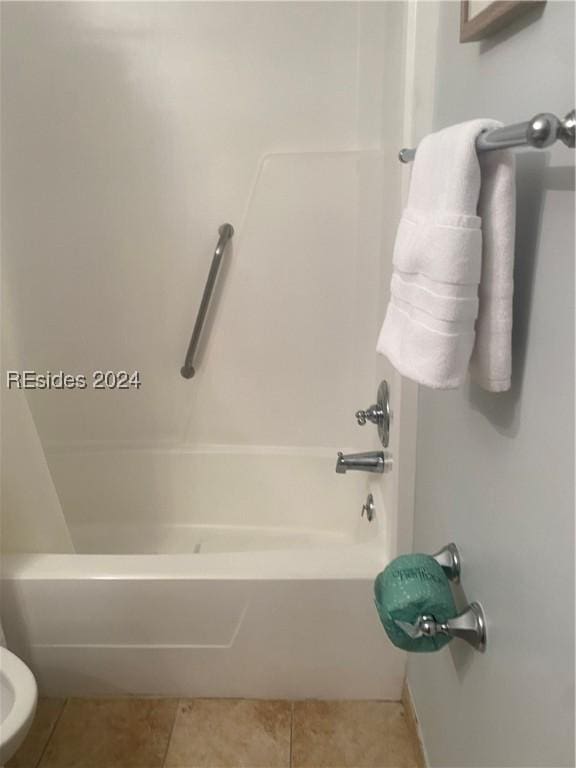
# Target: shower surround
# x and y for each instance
(190, 537)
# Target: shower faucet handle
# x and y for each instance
(378, 414)
(375, 414)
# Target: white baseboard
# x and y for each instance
(414, 722)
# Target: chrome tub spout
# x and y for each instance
(371, 461)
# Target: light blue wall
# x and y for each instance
(495, 472)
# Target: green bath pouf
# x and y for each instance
(409, 587)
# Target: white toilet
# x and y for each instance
(18, 696)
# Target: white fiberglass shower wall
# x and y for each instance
(130, 132)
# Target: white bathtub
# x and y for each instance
(207, 574)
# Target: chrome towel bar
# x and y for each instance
(540, 132)
(225, 231)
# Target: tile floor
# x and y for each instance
(218, 733)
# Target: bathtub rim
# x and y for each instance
(357, 561)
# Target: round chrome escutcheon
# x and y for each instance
(384, 420)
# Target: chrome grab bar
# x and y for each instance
(225, 231)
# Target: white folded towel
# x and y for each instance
(452, 286)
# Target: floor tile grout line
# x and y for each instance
(291, 730)
(176, 711)
(51, 734)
